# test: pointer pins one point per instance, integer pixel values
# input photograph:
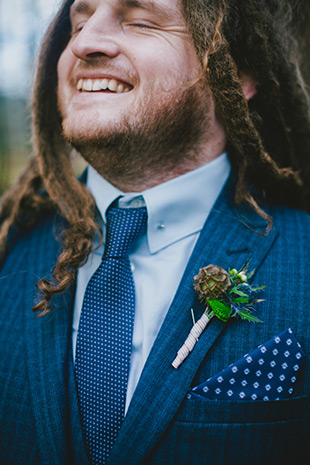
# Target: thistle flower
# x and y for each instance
(211, 282)
(226, 295)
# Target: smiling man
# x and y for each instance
(193, 119)
(117, 95)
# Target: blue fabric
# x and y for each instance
(177, 211)
(268, 372)
(189, 196)
(105, 335)
(39, 420)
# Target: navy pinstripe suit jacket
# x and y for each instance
(39, 419)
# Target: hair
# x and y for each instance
(268, 137)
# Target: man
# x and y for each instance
(193, 116)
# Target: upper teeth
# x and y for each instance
(93, 85)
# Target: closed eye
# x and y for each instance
(143, 25)
(78, 28)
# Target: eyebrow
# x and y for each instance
(79, 7)
(83, 6)
(150, 6)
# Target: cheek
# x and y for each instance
(168, 65)
(64, 67)
(190, 61)
(159, 71)
(63, 74)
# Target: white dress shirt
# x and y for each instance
(177, 211)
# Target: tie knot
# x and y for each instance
(124, 227)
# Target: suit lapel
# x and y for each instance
(48, 342)
(78, 449)
(230, 236)
(228, 240)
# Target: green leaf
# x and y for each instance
(249, 275)
(258, 288)
(241, 300)
(246, 315)
(238, 292)
(221, 310)
(245, 266)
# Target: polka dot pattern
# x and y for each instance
(105, 335)
(268, 372)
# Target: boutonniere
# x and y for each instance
(226, 295)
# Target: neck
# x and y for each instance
(139, 166)
(148, 177)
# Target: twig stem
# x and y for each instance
(191, 340)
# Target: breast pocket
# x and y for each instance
(238, 433)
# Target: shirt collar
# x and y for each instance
(176, 209)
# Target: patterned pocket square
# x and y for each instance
(266, 373)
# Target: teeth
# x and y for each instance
(87, 85)
(104, 84)
(112, 85)
(95, 85)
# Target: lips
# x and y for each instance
(105, 84)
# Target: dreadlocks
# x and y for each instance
(268, 138)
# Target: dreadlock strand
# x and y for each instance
(71, 197)
(261, 212)
(22, 203)
(78, 208)
(261, 42)
(269, 78)
(227, 92)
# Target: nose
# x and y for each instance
(98, 37)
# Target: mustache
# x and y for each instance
(102, 67)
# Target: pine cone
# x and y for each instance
(211, 282)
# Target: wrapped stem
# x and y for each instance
(191, 340)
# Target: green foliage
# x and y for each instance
(220, 309)
(238, 300)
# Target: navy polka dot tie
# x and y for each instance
(105, 335)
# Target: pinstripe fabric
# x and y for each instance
(26, 344)
(161, 426)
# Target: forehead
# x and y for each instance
(171, 8)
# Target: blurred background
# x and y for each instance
(22, 24)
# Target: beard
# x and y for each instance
(163, 134)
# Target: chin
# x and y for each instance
(86, 128)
